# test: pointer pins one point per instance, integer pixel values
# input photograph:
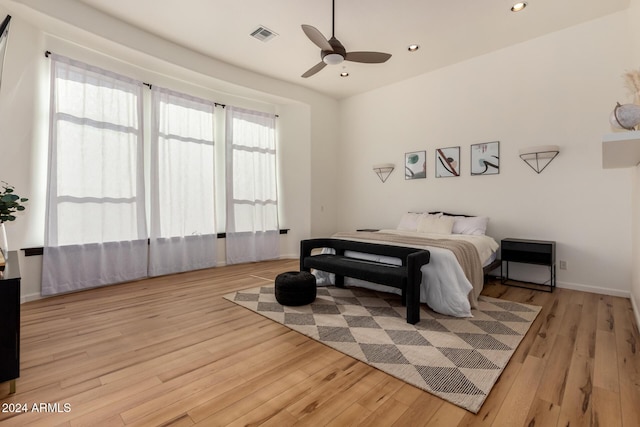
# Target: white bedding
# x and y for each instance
(444, 287)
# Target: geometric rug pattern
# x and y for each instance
(457, 359)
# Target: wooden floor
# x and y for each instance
(171, 351)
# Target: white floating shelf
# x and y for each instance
(621, 150)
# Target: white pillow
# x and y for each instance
(435, 224)
(474, 225)
(409, 221)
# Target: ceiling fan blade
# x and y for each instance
(311, 71)
(367, 57)
(316, 37)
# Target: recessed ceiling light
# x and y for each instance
(344, 74)
(517, 7)
(413, 47)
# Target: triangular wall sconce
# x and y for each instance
(539, 157)
(383, 170)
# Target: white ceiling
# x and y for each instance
(448, 32)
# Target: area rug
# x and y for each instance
(457, 359)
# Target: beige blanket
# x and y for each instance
(465, 253)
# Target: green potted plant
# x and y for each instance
(9, 204)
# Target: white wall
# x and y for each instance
(307, 123)
(557, 89)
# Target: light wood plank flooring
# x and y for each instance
(171, 351)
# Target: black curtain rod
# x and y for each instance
(217, 104)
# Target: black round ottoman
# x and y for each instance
(295, 288)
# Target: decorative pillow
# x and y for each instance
(474, 225)
(409, 221)
(436, 224)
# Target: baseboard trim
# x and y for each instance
(30, 297)
(636, 311)
(594, 289)
(585, 288)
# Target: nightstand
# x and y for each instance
(538, 252)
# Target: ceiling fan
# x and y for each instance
(333, 52)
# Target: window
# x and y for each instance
(182, 183)
(96, 227)
(252, 202)
(96, 190)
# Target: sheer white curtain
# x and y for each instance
(95, 232)
(252, 202)
(183, 234)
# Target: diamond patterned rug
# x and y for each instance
(457, 359)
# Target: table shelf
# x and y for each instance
(621, 150)
(537, 252)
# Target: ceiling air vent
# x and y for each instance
(262, 33)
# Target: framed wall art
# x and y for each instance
(485, 158)
(447, 162)
(415, 165)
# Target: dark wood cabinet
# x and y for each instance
(10, 321)
(538, 252)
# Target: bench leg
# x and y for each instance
(413, 303)
(339, 281)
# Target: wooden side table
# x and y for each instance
(538, 252)
(10, 321)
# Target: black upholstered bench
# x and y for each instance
(406, 277)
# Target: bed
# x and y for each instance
(460, 253)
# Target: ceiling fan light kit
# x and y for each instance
(333, 59)
(332, 52)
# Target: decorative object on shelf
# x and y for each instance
(485, 158)
(9, 204)
(383, 170)
(447, 162)
(632, 82)
(415, 165)
(540, 156)
(625, 116)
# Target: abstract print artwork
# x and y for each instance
(447, 162)
(415, 165)
(485, 158)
